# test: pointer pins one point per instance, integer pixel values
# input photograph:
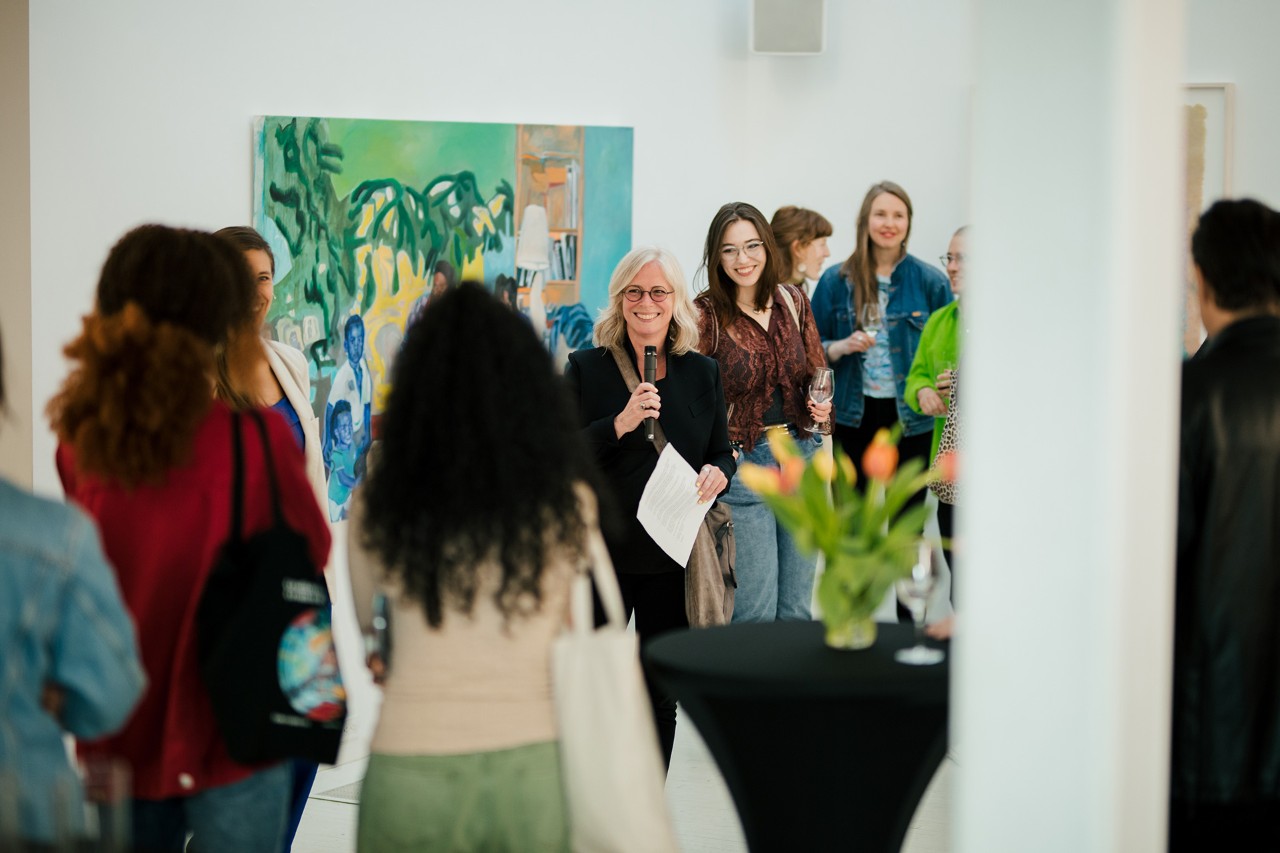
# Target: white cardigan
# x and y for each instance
(290, 367)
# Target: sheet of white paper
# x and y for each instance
(669, 508)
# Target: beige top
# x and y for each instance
(474, 684)
(290, 367)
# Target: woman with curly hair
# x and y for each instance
(649, 305)
(146, 449)
(472, 521)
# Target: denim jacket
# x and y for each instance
(62, 622)
(916, 290)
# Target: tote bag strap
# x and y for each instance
(629, 376)
(237, 481)
(276, 512)
(599, 568)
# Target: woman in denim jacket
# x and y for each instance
(870, 312)
(68, 660)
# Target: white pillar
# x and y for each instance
(1065, 586)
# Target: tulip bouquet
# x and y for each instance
(867, 537)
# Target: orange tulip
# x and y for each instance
(881, 458)
(946, 465)
(792, 471)
(760, 479)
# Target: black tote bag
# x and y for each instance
(265, 638)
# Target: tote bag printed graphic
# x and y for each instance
(307, 666)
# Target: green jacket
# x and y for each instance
(939, 348)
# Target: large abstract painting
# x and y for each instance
(369, 219)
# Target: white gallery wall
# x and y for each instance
(141, 111)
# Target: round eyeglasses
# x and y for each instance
(751, 248)
(946, 259)
(657, 294)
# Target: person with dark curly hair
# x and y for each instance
(69, 659)
(146, 450)
(474, 516)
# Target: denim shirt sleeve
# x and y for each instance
(94, 657)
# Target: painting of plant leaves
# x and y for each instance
(368, 218)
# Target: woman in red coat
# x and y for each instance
(146, 450)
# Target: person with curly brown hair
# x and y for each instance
(146, 450)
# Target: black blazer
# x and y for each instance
(1226, 649)
(693, 419)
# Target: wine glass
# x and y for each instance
(871, 319)
(914, 591)
(822, 387)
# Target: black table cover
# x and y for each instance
(821, 749)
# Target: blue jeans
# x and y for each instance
(775, 580)
(247, 816)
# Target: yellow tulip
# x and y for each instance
(825, 466)
(782, 446)
(847, 468)
(760, 479)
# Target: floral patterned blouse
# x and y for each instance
(753, 362)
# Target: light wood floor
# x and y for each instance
(704, 816)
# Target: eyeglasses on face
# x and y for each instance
(657, 294)
(946, 259)
(751, 248)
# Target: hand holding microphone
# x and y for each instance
(644, 406)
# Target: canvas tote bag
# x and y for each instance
(709, 579)
(612, 770)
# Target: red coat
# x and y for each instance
(163, 541)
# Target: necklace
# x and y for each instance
(754, 310)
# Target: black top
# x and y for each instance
(1226, 659)
(693, 419)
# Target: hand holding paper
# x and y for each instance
(670, 510)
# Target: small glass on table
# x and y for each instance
(822, 387)
(913, 591)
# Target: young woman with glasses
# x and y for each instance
(870, 313)
(763, 335)
(649, 306)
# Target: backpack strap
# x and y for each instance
(784, 290)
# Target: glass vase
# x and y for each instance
(852, 634)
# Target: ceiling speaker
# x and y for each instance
(788, 26)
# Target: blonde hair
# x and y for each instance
(611, 328)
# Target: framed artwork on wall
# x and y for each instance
(1208, 111)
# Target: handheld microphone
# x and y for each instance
(650, 376)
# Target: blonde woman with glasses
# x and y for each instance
(649, 306)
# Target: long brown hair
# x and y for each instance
(860, 268)
(245, 239)
(721, 289)
(140, 385)
(791, 224)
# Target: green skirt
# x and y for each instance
(482, 802)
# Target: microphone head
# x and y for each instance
(650, 363)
